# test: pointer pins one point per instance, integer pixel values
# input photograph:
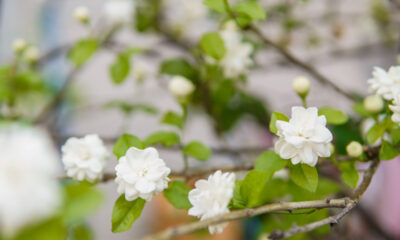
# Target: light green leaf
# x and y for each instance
(197, 150)
(349, 174)
(304, 176)
(178, 66)
(270, 162)
(251, 9)
(388, 152)
(119, 69)
(395, 136)
(82, 51)
(333, 116)
(178, 194)
(213, 45)
(129, 108)
(174, 119)
(166, 138)
(238, 201)
(274, 117)
(377, 131)
(253, 188)
(125, 213)
(82, 232)
(125, 142)
(52, 229)
(216, 5)
(360, 109)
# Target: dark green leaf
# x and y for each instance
(179, 67)
(388, 152)
(333, 116)
(125, 142)
(197, 150)
(82, 51)
(82, 232)
(270, 162)
(349, 174)
(177, 194)
(304, 176)
(253, 188)
(274, 117)
(252, 9)
(125, 213)
(52, 229)
(213, 45)
(174, 119)
(166, 138)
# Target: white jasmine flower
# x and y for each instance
(81, 14)
(119, 11)
(19, 45)
(354, 149)
(141, 174)
(180, 87)
(301, 85)
(85, 158)
(28, 169)
(373, 104)
(385, 84)
(211, 198)
(32, 54)
(304, 138)
(395, 109)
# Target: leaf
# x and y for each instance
(388, 152)
(174, 119)
(213, 45)
(178, 66)
(125, 213)
(253, 189)
(395, 136)
(178, 195)
(82, 51)
(274, 117)
(119, 69)
(129, 108)
(333, 116)
(52, 229)
(349, 174)
(82, 232)
(360, 109)
(197, 150)
(81, 199)
(251, 9)
(166, 138)
(125, 142)
(216, 5)
(377, 131)
(304, 176)
(270, 162)
(238, 201)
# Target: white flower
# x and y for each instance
(32, 54)
(28, 169)
(180, 87)
(81, 14)
(301, 85)
(373, 104)
(396, 109)
(385, 84)
(211, 198)
(141, 174)
(354, 149)
(85, 158)
(304, 138)
(119, 11)
(19, 45)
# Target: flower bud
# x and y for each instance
(301, 86)
(354, 149)
(81, 14)
(180, 87)
(373, 104)
(32, 54)
(19, 45)
(331, 148)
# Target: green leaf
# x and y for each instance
(360, 109)
(197, 150)
(82, 232)
(304, 176)
(238, 201)
(119, 69)
(270, 162)
(253, 188)
(252, 9)
(213, 45)
(349, 174)
(52, 229)
(377, 131)
(174, 119)
(178, 66)
(166, 138)
(178, 194)
(395, 136)
(274, 117)
(333, 116)
(129, 108)
(125, 142)
(82, 51)
(216, 5)
(125, 213)
(81, 199)
(388, 152)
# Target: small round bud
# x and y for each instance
(331, 148)
(354, 149)
(19, 45)
(180, 87)
(373, 104)
(81, 14)
(32, 54)
(301, 86)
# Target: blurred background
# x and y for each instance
(342, 39)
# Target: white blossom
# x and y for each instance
(304, 138)
(119, 11)
(32, 54)
(354, 149)
(301, 85)
(85, 158)
(385, 84)
(373, 104)
(19, 45)
(395, 107)
(141, 174)
(211, 198)
(180, 87)
(28, 169)
(81, 14)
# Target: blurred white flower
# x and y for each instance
(85, 158)
(301, 85)
(395, 107)
(82, 14)
(180, 87)
(385, 84)
(19, 45)
(141, 174)
(373, 104)
(28, 186)
(119, 11)
(32, 54)
(304, 138)
(211, 198)
(141, 70)
(354, 149)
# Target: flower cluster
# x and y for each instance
(304, 138)
(211, 198)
